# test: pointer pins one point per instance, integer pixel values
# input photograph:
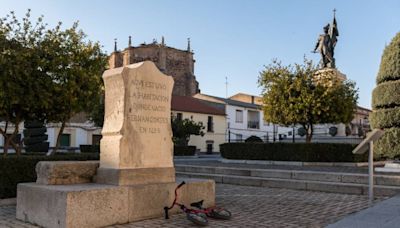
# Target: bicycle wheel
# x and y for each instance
(197, 219)
(220, 213)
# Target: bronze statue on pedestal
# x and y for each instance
(326, 44)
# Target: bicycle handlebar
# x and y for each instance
(166, 209)
(181, 184)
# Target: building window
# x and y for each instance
(179, 116)
(239, 116)
(65, 140)
(96, 139)
(210, 124)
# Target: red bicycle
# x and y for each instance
(198, 216)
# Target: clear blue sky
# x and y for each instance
(236, 38)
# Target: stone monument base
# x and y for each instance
(135, 176)
(98, 205)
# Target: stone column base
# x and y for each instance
(124, 177)
(98, 205)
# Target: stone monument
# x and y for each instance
(136, 147)
(135, 178)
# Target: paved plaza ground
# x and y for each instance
(254, 207)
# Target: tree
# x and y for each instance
(183, 129)
(386, 101)
(23, 80)
(96, 115)
(46, 74)
(301, 94)
(76, 68)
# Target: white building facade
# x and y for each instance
(245, 119)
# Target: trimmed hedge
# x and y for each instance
(386, 101)
(184, 150)
(89, 148)
(386, 94)
(389, 68)
(14, 170)
(385, 118)
(304, 152)
(389, 145)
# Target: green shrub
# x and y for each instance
(389, 69)
(385, 118)
(14, 170)
(304, 152)
(333, 131)
(386, 94)
(184, 150)
(89, 148)
(302, 131)
(389, 145)
(348, 130)
(386, 101)
(252, 139)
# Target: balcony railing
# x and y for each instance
(253, 124)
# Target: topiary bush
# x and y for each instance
(35, 137)
(333, 131)
(252, 139)
(302, 131)
(386, 101)
(348, 130)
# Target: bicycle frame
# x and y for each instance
(209, 212)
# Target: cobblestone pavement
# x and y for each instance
(254, 207)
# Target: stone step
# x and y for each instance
(336, 177)
(310, 185)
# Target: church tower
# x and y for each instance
(171, 61)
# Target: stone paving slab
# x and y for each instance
(385, 214)
(254, 207)
(215, 163)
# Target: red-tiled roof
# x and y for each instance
(190, 104)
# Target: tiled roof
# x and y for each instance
(236, 103)
(190, 104)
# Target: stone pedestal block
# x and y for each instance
(65, 172)
(80, 205)
(135, 176)
(98, 205)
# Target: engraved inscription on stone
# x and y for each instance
(148, 102)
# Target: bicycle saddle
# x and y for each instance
(197, 204)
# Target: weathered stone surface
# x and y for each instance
(137, 124)
(97, 205)
(80, 205)
(65, 172)
(317, 176)
(135, 176)
(177, 63)
(148, 201)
